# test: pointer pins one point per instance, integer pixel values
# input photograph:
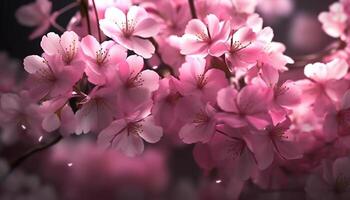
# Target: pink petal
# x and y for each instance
(244, 35)
(252, 99)
(259, 120)
(151, 133)
(34, 63)
(288, 149)
(110, 29)
(190, 45)
(50, 43)
(68, 121)
(147, 28)
(192, 133)
(116, 17)
(270, 75)
(316, 71)
(227, 99)
(292, 95)
(142, 47)
(131, 145)
(338, 68)
(218, 49)
(90, 46)
(51, 123)
(213, 25)
(105, 138)
(45, 6)
(137, 14)
(150, 80)
(232, 120)
(28, 15)
(135, 64)
(70, 40)
(195, 27)
(117, 53)
(262, 148)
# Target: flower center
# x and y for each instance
(128, 26)
(45, 73)
(202, 80)
(204, 36)
(70, 52)
(200, 118)
(134, 128)
(135, 81)
(101, 56)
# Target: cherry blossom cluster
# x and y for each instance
(142, 72)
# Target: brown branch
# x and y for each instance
(97, 23)
(43, 145)
(301, 61)
(84, 11)
(193, 9)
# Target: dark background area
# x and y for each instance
(14, 36)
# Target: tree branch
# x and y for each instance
(97, 23)
(193, 9)
(43, 145)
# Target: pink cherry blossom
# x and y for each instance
(337, 122)
(127, 134)
(38, 15)
(199, 120)
(274, 140)
(332, 182)
(48, 78)
(200, 37)
(97, 110)
(173, 15)
(285, 97)
(102, 59)
(130, 29)
(196, 80)
(66, 47)
(334, 21)
(231, 150)
(166, 102)
(325, 86)
(241, 50)
(247, 107)
(135, 85)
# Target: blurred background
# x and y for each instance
(77, 169)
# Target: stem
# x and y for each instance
(301, 61)
(97, 23)
(58, 27)
(84, 9)
(50, 141)
(193, 9)
(66, 8)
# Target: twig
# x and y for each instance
(193, 9)
(43, 145)
(301, 61)
(97, 23)
(84, 10)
